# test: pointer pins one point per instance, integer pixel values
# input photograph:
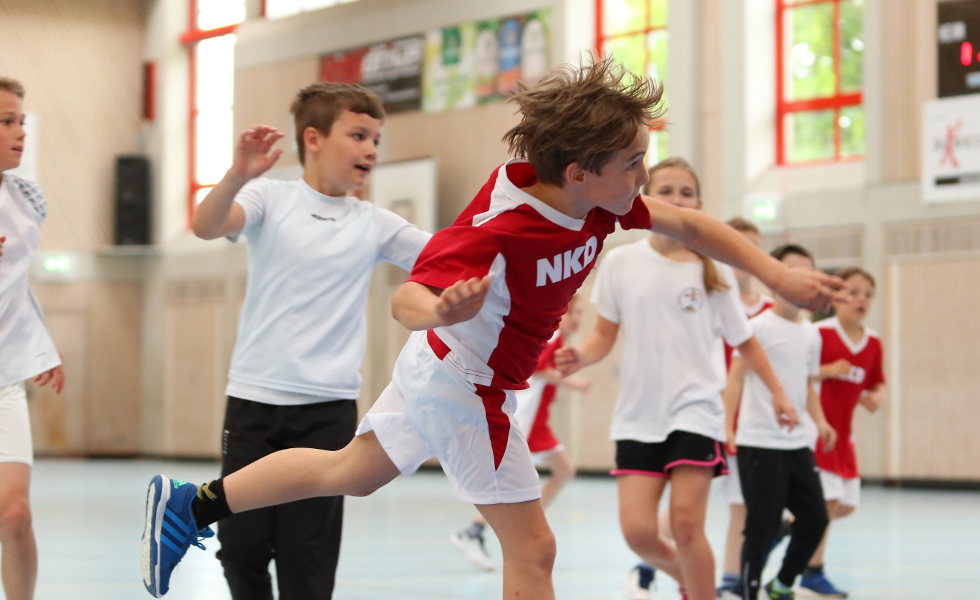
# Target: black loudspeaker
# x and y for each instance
(132, 200)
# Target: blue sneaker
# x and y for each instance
(816, 585)
(641, 578)
(168, 532)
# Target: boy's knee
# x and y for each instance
(15, 519)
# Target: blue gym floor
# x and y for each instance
(88, 514)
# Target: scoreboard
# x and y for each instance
(958, 47)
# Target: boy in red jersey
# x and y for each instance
(851, 373)
(533, 409)
(484, 298)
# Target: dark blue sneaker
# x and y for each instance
(816, 585)
(168, 532)
(639, 582)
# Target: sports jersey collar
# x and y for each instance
(851, 346)
(523, 170)
(334, 200)
(757, 307)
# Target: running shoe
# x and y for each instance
(816, 585)
(472, 547)
(168, 532)
(774, 595)
(640, 581)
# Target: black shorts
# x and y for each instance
(680, 448)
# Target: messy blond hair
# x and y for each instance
(712, 278)
(9, 84)
(581, 114)
(320, 104)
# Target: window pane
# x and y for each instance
(219, 13)
(620, 16)
(657, 48)
(215, 143)
(851, 124)
(201, 193)
(809, 135)
(215, 73)
(808, 52)
(629, 50)
(851, 45)
(658, 13)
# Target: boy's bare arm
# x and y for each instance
(595, 347)
(732, 397)
(420, 307)
(873, 398)
(756, 359)
(828, 436)
(805, 288)
(218, 215)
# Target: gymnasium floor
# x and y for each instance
(900, 545)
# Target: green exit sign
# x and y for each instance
(765, 210)
(55, 266)
(58, 264)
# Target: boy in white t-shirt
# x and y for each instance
(26, 348)
(484, 298)
(294, 377)
(777, 468)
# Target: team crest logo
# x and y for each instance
(691, 299)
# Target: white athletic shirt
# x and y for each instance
(302, 332)
(793, 350)
(673, 368)
(26, 348)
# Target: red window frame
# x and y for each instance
(836, 102)
(190, 38)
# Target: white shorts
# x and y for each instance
(733, 487)
(428, 410)
(15, 425)
(845, 491)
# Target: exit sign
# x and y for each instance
(958, 47)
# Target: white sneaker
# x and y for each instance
(634, 591)
(472, 548)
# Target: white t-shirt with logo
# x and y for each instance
(673, 366)
(302, 331)
(26, 348)
(793, 349)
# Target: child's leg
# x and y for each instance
(19, 563)
(764, 479)
(562, 471)
(358, 469)
(528, 546)
(734, 538)
(690, 486)
(639, 500)
(806, 502)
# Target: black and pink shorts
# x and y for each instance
(680, 448)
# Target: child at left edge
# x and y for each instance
(492, 281)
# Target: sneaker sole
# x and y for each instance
(157, 495)
(483, 566)
(803, 592)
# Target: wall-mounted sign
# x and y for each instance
(951, 149)
(958, 47)
(392, 70)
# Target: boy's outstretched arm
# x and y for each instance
(419, 307)
(805, 288)
(731, 397)
(218, 215)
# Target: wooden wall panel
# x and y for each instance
(194, 367)
(81, 63)
(97, 329)
(936, 383)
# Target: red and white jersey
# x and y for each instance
(764, 303)
(537, 258)
(534, 403)
(839, 396)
